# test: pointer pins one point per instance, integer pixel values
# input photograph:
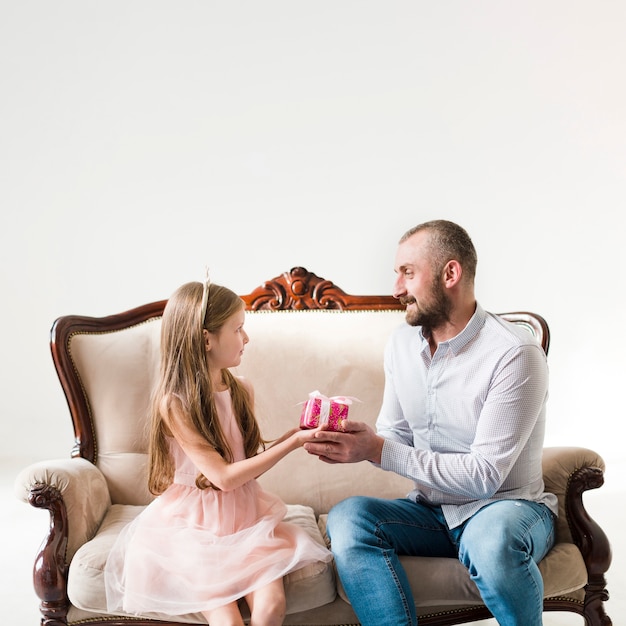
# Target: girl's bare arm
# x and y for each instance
(222, 474)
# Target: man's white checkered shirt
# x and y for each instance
(467, 425)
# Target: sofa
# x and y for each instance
(306, 334)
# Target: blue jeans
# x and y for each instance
(500, 546)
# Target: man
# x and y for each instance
(463, 415)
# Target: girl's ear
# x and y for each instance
(207, 339)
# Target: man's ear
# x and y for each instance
(206, 337)
(452, 273)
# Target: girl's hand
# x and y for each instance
(304, 435)
(297, 437)
(284, 436)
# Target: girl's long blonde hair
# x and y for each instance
(184, 375)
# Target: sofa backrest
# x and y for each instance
(290, 354)
(339, 353)
(117, 371)
(305, 335)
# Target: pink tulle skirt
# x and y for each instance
(194, 550)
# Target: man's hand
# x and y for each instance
(357, 442)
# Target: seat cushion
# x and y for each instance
(446, 582)
(309, 587)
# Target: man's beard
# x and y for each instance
(432, 314)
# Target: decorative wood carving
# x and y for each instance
(50, 570)
(591, 541)
(300, 290)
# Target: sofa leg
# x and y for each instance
(595, 596)
(50, 570)
(53, 615)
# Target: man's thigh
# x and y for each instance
(526, 525)
(411, 528)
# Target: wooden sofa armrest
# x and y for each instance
(81, 487)
(568, 473)
(76, 494)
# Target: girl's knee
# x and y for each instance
(268, 605)
(227, 615)
(271, 611)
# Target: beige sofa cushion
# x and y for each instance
(445, 582)
(306, 588)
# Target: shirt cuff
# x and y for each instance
(395, 457)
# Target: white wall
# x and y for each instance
(140, 141)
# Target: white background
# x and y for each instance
(141, 141)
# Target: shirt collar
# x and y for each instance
(457, 343)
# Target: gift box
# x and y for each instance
(319, 409)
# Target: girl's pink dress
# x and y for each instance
(193, 549)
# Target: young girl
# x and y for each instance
(212, 536)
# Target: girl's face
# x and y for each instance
(225, 348)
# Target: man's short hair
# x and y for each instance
(448, 241)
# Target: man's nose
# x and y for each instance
(399, 289)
